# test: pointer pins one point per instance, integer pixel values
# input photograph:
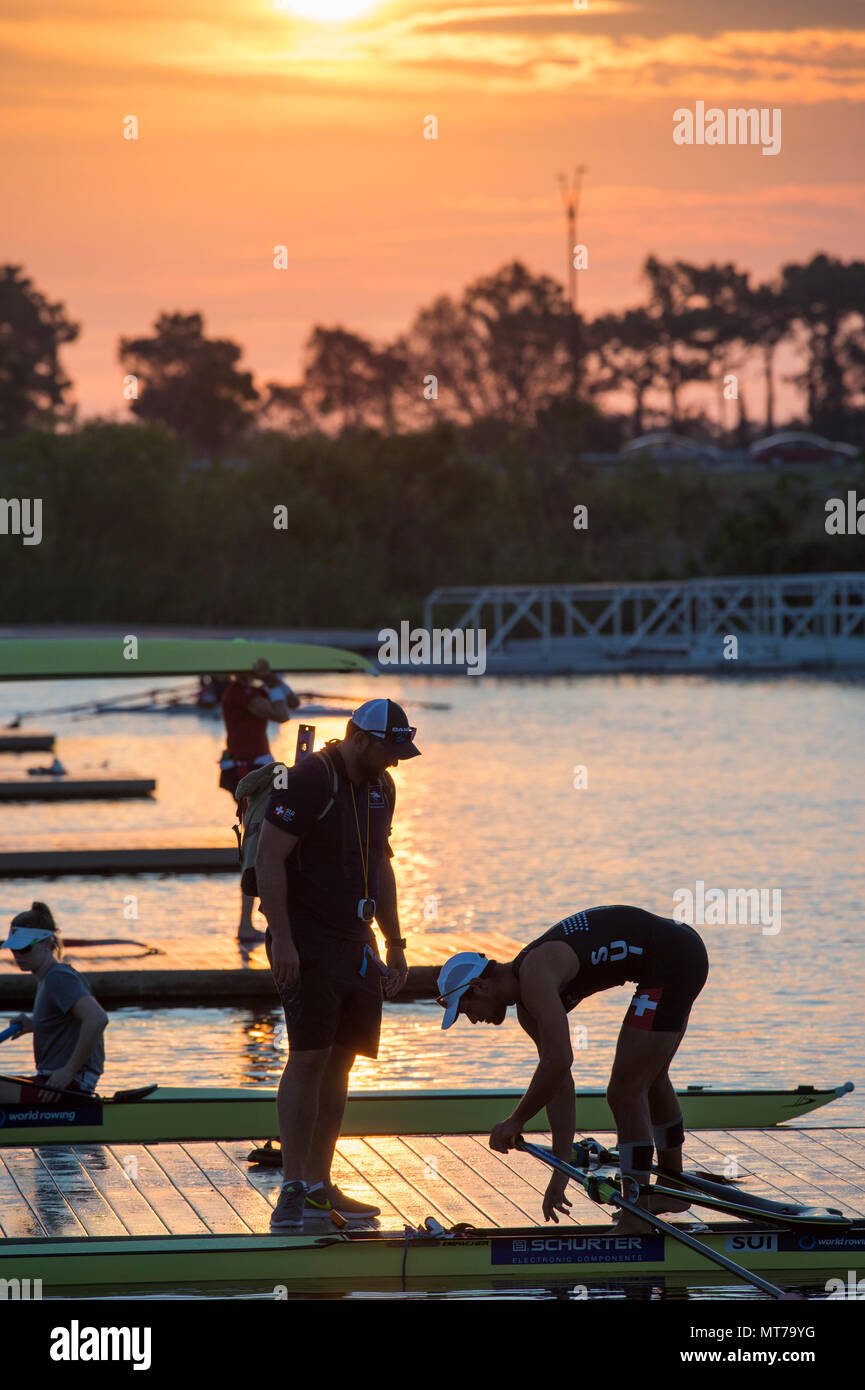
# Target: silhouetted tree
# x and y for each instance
(285, 408)
(675, 352)
(768, 323)
(32, 384)
(191, 383)
(346, 374)
(825, 299)
(503, 350)
(619, 359)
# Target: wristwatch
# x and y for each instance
(396, 941)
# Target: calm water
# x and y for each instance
(753, 784)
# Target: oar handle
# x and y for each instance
(79, 1096)
(13, 1031)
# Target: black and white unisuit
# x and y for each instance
(613, 945)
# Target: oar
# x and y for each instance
(119, 1097)
(92, 705)
(13, 1031)
(360, 699)
(593, 1185)
(175, 695)
(77, 942)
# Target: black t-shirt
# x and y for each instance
(325, 874)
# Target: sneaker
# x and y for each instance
(287, 1215)
(323, 1200)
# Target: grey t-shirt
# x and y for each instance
(55, 1027)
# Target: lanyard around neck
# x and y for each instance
(364, 854)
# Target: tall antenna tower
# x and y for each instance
(571, 201)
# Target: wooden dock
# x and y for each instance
(203, 970)
(201, 859)
(92, 787)
(206, 1190)
(25, 741)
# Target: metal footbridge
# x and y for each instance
(782, 622)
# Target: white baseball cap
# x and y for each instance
(455, 978)
(19, 937)
(388, 721)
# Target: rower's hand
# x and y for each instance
(555, 1199)
(505, 1135)
(284, 964)
(397, 971)
(59, 1079)
(24, 1021)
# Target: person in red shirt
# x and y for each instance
(250, 701)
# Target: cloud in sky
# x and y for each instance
(258, 128)
(528, 50)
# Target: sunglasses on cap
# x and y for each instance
(397, 736)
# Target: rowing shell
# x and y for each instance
(181, 1113)
(485, 1255)
(65, 658)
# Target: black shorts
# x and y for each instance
(662, 1001)
(229, 777)
(333, 1002)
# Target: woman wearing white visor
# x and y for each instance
(67, 1023)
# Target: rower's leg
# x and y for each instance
(641, 1056)
(246, 931)
(665, 1109)
(331, 1109)
(297, 1103)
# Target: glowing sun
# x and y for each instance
(328, 11)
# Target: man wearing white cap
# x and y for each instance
(596, 949)
(324, 876)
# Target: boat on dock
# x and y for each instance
(453, 1214)
(478, 1255)
(177, 1114)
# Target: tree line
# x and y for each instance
(506, 350)
(384, 491)
(355, 530)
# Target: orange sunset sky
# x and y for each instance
(258, 126)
